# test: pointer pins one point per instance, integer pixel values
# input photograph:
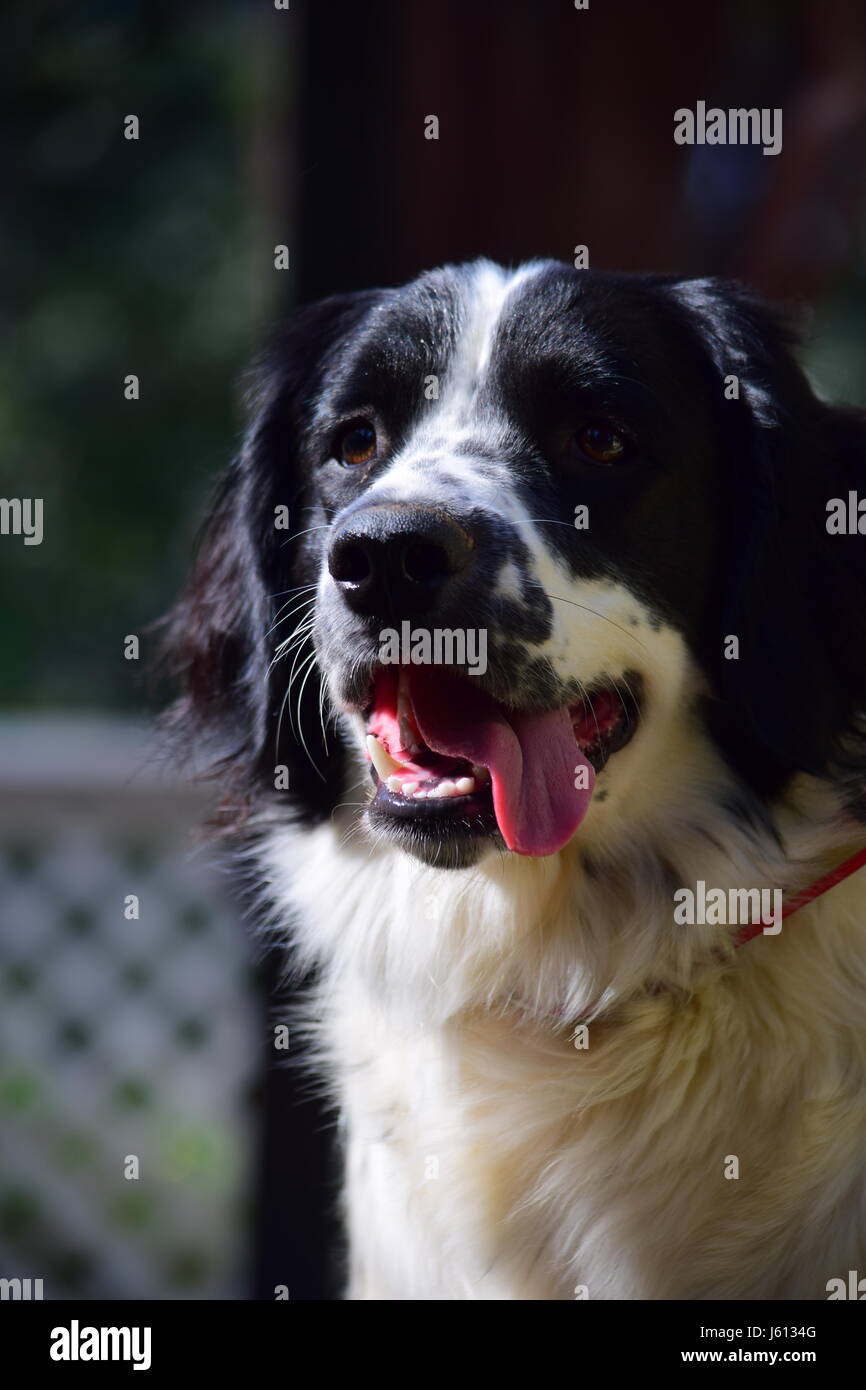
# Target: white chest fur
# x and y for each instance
(706, 1143)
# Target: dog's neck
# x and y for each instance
(561, 939)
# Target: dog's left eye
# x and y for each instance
(600, 444)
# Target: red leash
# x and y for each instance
(808, 895)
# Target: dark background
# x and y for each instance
(306, 128)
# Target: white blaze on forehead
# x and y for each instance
(490, 290)
(491, 287)
(445, 425)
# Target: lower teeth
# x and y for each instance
(440, 789)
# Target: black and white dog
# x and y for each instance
(565, 632)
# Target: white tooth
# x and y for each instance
(394, 784)
(408, 788)
(465, 785)
(419, 795)
(446, 788)
(381, 759)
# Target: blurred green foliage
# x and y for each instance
(122, 257)
(835, 349)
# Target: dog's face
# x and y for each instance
(499, 458)
(534, 519)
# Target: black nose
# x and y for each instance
(392, 561)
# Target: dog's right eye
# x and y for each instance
(601, 443)
(357, 443)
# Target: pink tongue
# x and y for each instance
(533, 759)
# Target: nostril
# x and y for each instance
(425, 562)
(350, 563)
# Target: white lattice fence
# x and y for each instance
(119, 1037)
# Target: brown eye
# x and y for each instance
(357, 443)
(601, 444)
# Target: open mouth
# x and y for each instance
(448, 757)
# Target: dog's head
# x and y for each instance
(505, 537)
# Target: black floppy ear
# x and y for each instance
(235, 708)
(791, 593)
(210, 651)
